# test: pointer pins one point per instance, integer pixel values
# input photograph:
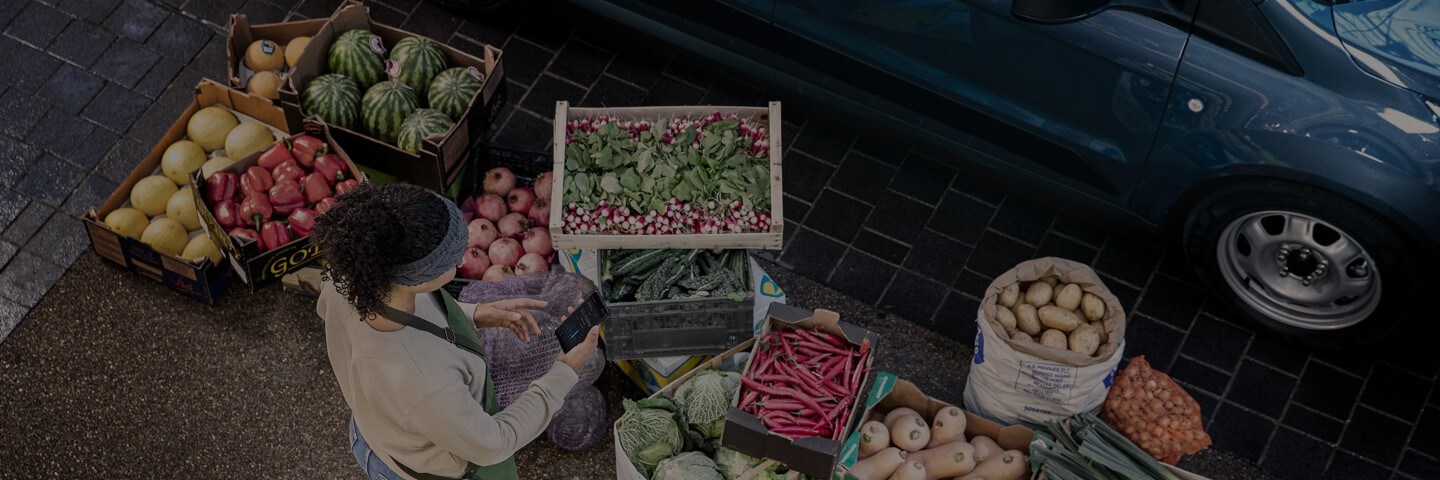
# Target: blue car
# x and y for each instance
(1291, 146)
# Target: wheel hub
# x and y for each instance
(1301, 263)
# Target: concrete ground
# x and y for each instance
(131, 381)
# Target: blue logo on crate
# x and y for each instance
(572, 256)
(769, 288)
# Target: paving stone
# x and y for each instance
(176, 4)
(1328, 390)
(1357, 362)
(1427, 433)
(7, 251)
(92, 193)
(487, 29)
(972, 283)
(1420, 466)
(795, 209)
(899, 217)
(11, 314)
(9, 9)
(998, 254)
(92, 10)
(1171, 301)
(116, 108)
(956, 318)
(1241, 433)
(542, 97)
(50, 180)
(980, 186)
(82, 43)
(136, 19)
(961, 217)
(181, 90)
(18, 156)
(913, 297)
(71, 89)
(548, 28)
(61, 133)
(211, 60)
(1346, 465)
(1282, 355)
(837, 215)
(19, 112)
(1396, 392)
(923, 178)
(37, 24)
(1292, 455)
(526, 132)
(639, 63)
(1024, 219)
(121, 159)
(607, 35)
(1057, 246)
(729, 92)
(824, 140)
(1129, 259)
(1127, 296)
(401, 5)
(613, 92)
(27, 277)
(179, 38)
(1208, 403)
(1156, 341)
(1375, 437)
(11, 204)
(1200, 376)
(858, 175)
(27, 69)
(218, 11)
(880, 144)
(1081, 225)
(430, 20)
(27, 223)
(1216, 343)
(937, 257)
(318, 8)
(524, 61)
(805, 177)
(1313, 423)
(258, 12)
(883, 248)
(861, 276)
(155, 81)
(1260, 388)
(810, 254)
(669, 91)
(693, 70)
(61, 240)
(1410, 353)
(156, 121)
(580, 63)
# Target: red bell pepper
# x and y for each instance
(273, 235)
(288, 170)
(345, 186)
(305, 148)
(227, 214)
(255, 209)
(316, 188)
(220, 186)
(332, 167)
(301, 221)
(274, 156)
(324, 205)
(245, 233)
(256, 181)
(285, 197)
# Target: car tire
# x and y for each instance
(1299, 277)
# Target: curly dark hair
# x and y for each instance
(372, 229)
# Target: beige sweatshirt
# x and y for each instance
(418, 398)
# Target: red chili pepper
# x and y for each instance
(305, 148)
(801, 432)
(324, 205)
(220, 186)
(749, 399)
(255, 209)
(256, 181)
(275, 155)
(245, 233)
(332, 167)
(273, 235)
(301, 221)
(316, 188)
(285, 197)
(830, 339)
(788, 349)
(287, 170)
(227, 214)
(345, 186)
(761, 387)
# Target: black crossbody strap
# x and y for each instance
(447, 333)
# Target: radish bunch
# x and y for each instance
(804, 383)
(679, 217)
(507, 228)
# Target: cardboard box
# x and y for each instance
(654, 374)
(812, 456)
(205, 281)
(256, 268)
(439, 162)
(242, 34)
(770, 240)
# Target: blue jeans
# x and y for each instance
(369, 461)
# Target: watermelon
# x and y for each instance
(352, 55)
(332, 97)
(385, 107)
(418, 60)
(423, 123)
(451, 91)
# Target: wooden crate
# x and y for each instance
(765, 240)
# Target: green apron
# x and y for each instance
(461, 333)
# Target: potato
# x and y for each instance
(1068, 296)
(1050, 280)
(1084, 340)
(1100, 329)
(1055, 317)
(1026, 319)
(1039, 294)
(1054, 338)
(1092, 306)
(1006, 318)
(1020, 336)
(1010, 295)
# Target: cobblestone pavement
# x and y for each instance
(88, 86)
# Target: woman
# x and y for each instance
(405, 352)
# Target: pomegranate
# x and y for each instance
(537, 241)
(505, 251)
(490, 207)
(513, 225)
(476, 263)
(543, 184)
(499, 181)
(540, 212)
(520, 200)
(497, 273)
(532, 263)
(482, 233)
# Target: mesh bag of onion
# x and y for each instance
(515, 364)
(1155, 413)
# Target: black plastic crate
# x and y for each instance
(688, 326)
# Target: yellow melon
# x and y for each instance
(166, 236)
(214, 165)
(209, 126)
(151, 194)
(264, 55)
(247, 138)
(265, 84)
(201, 248)
(128, 222)
(294, 49)
(180, 159)
(181, 208)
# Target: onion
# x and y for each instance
(531, 263)
(505, 251)
(497, 273)
(482, 233)
(513, 225)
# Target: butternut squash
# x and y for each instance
(949, 426)
(909, 432)
(878, 466)
(985, 447)
(1010, 465)
(946, 461)
(911, 470)
(874, 437)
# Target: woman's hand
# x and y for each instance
(576, 357)
(511, 314)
